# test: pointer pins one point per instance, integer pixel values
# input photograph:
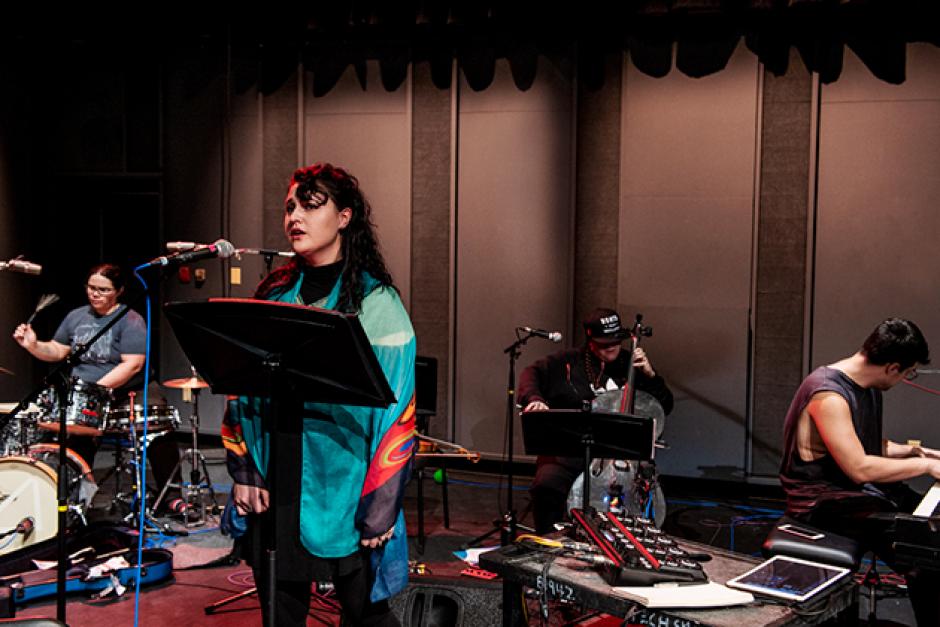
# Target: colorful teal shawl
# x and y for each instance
(356, 460)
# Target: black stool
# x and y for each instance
(804, 542)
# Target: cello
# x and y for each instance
(626, 486)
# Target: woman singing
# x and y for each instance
(341, 476)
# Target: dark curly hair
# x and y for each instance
(360, 248)
(896, 341)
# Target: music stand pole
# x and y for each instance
(64, 394)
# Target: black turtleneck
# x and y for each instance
(318, 281)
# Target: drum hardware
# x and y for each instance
(135, 468)
(124, 466)
(198, 491)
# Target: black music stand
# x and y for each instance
(287, 353)
(588, 434)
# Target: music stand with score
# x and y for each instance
(589, 435)
(288, 353)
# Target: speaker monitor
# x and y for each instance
(449, 602)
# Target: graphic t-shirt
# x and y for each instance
(127, 337)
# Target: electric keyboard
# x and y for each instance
(917, 536)
(639, 553)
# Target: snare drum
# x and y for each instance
(160, 418)
(28, 491)
(85, 413)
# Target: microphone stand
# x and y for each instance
(58, 380)
(507, 525)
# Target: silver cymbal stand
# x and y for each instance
(198, 491)
(140, 478)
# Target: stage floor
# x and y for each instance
(475, 500)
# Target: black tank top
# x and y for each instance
(806, 483)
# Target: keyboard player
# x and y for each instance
(839, 472)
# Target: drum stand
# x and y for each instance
(140, 479)
(199, 490)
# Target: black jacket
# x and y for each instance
(561, 380)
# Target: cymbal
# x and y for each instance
(186, 383)
(5, 371)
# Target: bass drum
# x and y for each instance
(28, 494)
(643, 497)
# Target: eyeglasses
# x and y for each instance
(910, 375)
(104, 291)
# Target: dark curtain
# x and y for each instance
(696, 37)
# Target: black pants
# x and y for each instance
(870, 521)
(549, 492)
(297, 569)
(352, 592)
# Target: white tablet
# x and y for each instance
(789, 578)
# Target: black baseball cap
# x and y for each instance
(603, 326)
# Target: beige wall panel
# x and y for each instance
(685, 251)
(246, 202)
(369, 133)
(878, 224)
(513, 241)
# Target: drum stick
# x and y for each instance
(45, 301)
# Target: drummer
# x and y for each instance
(565, 380)
(115, 361)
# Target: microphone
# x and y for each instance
(220, 248)
(263, 251)
(181, 247)
(26, 527)
(21, 265)
(553, 336)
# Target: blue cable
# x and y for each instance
(747, 508)
(142, 471)
(740, 519)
